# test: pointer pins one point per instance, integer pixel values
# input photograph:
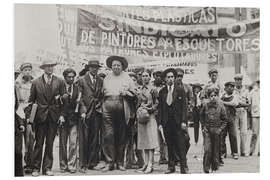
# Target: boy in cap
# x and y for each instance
(213, 120)
(230, 101)
(23, 86)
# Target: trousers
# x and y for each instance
(68, 160)
(29, 140)
(44, 131)
(255, 134)
(241, 121)
(211, 144)
(232, 131)
(114, 131)
(89, 141)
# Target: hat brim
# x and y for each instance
(165, 72)
(121, 59)
(44, 65)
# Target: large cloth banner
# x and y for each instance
(155, 39)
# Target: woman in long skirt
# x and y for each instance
(147, 132)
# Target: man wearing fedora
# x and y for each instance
(172, 118)
(23, 85)
(68, 130)
(119, 92)
(45, 92)
(91, 116)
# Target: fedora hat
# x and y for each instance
(93, 63)
(166, 71)
(121, 59)
(47, 62)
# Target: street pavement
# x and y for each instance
(249, 164)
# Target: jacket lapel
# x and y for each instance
(174, 93)
(43, 83)
(89, 81)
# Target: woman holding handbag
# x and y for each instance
(147, 125)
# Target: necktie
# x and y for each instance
(49, 79)
(69, 89)
(94, 80)
(169, 96)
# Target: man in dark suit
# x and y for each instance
(45, 92)
(171, 117)
(89, 126)
(68, 130)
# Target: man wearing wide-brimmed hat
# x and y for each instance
(45, 92)
(172, 118)
(90, 111)
(241, 112)
(119, 89)
(23, 86)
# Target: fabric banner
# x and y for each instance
(126, 37)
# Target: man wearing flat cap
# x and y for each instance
(213, 83)
(23, 86)
(68, 130)
(172, 118)
(45, 92)
(230, 102)
(119, 92)
(90, 111)
(241, 112)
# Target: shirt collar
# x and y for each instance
(172, 86)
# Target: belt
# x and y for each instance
(113, 98)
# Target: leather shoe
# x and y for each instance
(169, 171)
(35, 173)
(72, 171)
(82, 170)
(148, 170)
(184, 170)
(48, 173)
(121, 168)
(107, 168)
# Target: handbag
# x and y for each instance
(142, 115)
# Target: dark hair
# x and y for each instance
(147, 71)
(180, 70)
(69, 70)
(211, 90)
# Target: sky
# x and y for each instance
(35, 27)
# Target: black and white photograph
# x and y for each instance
(135, 89)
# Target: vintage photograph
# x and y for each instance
(130, 90)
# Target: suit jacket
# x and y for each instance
(47, 99)
(179, 106)
(92, 95)
(69, 105)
